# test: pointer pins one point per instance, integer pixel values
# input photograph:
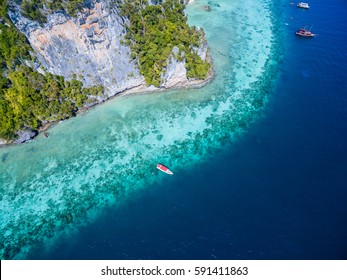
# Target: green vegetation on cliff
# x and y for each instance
(33, 9)
(33, 98)
(28, 98)
(154, 30)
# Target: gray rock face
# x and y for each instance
(87, 46)
(25, 135)
(176, 72)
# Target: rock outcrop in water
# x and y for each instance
(25, 135)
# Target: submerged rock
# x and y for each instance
(210, 3)
(207, 8)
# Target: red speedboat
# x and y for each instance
(304, 33)
(164, 169)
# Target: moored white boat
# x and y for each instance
(303, 5)
(303, 32)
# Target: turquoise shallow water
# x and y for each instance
(54, 186)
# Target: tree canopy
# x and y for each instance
(33, 9)
(154, 30)
(28, 98)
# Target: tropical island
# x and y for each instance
(60, 57)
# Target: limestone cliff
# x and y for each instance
(89, 47)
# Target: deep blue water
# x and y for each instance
(280, 192)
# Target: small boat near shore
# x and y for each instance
(164, 169)
(305, 33)
(303, 5)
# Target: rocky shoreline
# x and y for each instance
(28, 135)
(86, 47)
